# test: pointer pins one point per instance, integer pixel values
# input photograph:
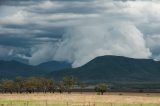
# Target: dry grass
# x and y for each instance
(116, 98)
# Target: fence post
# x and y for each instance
(46, 103)
(11, 103)
(67, 103)
(27, 103)
(111, 104)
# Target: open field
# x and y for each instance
(77, 99)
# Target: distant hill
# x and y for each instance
(11, 69)
(115, 69)
(54, 65)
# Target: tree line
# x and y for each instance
(42, 84)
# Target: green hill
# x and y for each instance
(115, 69)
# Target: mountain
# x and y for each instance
(54, 65)
(12, 69)
(115, 69)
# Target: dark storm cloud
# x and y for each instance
(18, 2)
(43, 30)
(67, 9)
(19, 26)
(34, 29)
(6, 40)
(31, 2)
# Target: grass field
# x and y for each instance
(77, 99)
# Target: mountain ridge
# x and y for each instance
(114, 69)
(13, 68)
(110, 69)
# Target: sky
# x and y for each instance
(77, 31)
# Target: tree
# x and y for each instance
(33, 84)
(19, 84)
(1, 87)
(102, 87)
(82, 86)
(47, 85)
(60, 87)
(8, 85)
(50, 85)
(68, 82)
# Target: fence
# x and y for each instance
(65, 103)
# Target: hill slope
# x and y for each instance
(54, 66)
(12, 69)
(115, 69)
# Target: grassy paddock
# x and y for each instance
(77, 99)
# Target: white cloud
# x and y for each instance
(5, 51)
(153, 40)
(83, 43)
(42, 53)
(19, 17)
(8, 53)
(48, 5)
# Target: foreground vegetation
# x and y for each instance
(40, 91)
(41, 84)
(78, 99)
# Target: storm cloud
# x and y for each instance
(78, 30)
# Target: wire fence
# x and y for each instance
(66, 103)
